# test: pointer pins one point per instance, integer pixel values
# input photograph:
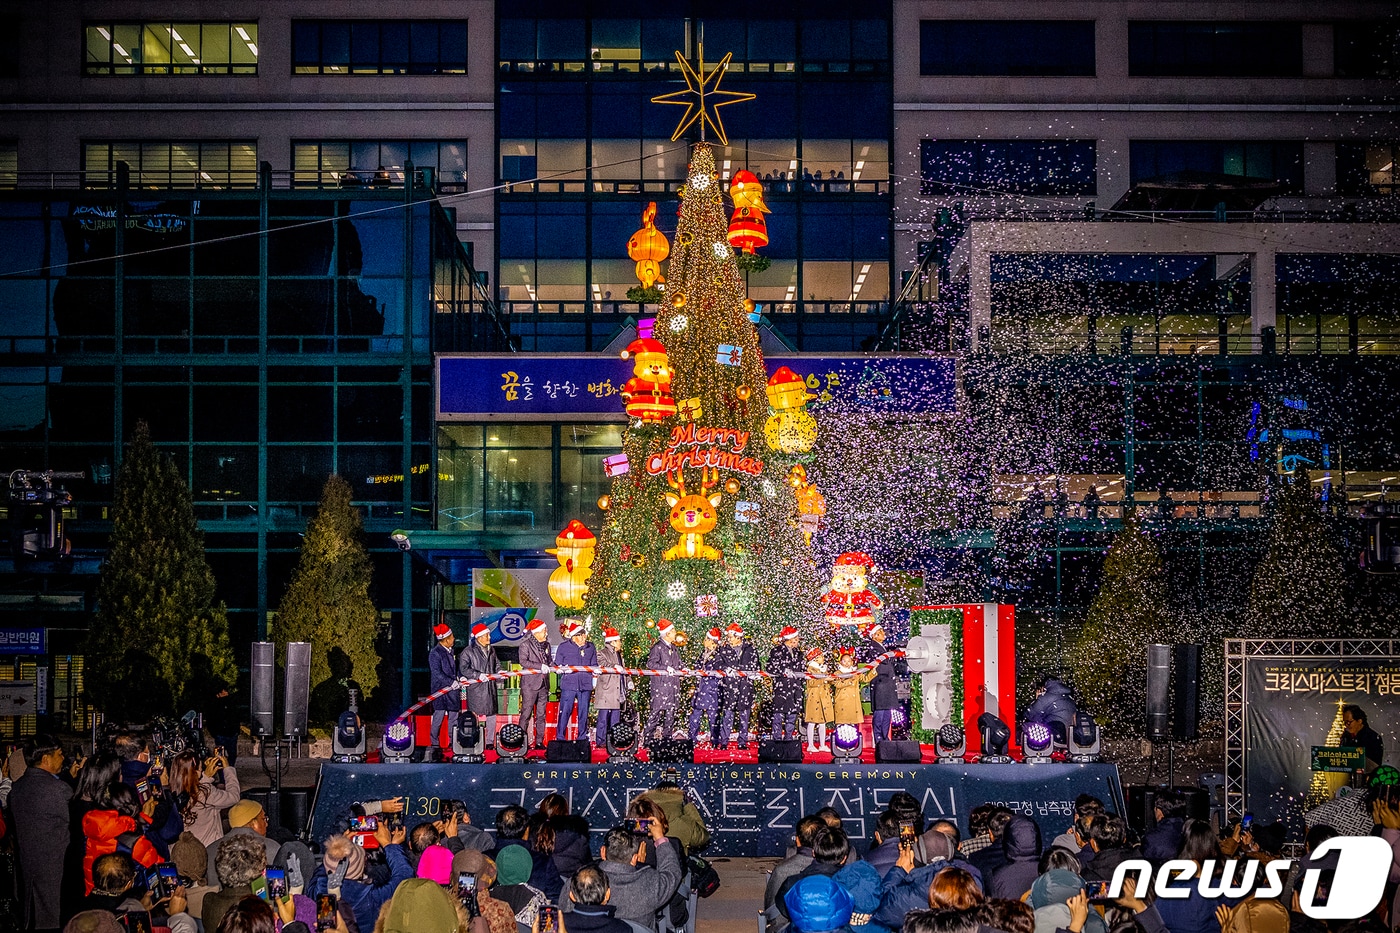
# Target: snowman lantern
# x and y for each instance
(574, 551)
(790, 429)
(850, 601)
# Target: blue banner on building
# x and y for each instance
(567, 387)
(23, 640)
(751, 810)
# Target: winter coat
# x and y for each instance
(739, 690)
(706, 688)
(476, 661)
(847, 697)
(571, 655)
(638, 891)
(611, 688)
(787, 691)
(884, 693)
(442, 671)
(1022, 846)
(207, 825)
(664, 690)
(362, 896)
(883, 856)
(103, 829)
(819, 707)
(1163, 841)
(1055, 705)
(534, 655)
(39, 808)
(166, 823)
(212, 850)
(1105, 861)
(685, 821)
(863, 883)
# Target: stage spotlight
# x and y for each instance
(951, 745)
(510, 743)
(397, 747)
(996, 736)
(1037, 739)
(899, 724)
(468, 739)
(1085, 744)
(348, 741)
(846, 743)
(621, 743)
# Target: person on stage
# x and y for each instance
(846, 694)
(442, 673)
(705, 705)
(575, 689)
(1359, 734)
(478, 660)
(787, 691)
(611, 687)
(665, 691)
(736, 693)
(884, 687)
(819, 709)
(534, 688)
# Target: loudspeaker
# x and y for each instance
(1186, 692)
(1159, 669)
(563, 751)
(898, 752)
(671, 751)
(1142, 798)
(780, 751)
(264, 670)
(296, 688)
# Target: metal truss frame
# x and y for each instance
(1240, 650)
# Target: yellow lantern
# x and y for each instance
(790, 429)
(574, 551)
(648, 247)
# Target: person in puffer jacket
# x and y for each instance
(1021, 843)
(358, 891)
(122, 828)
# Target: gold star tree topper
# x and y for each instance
(702, 97)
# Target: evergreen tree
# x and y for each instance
(763, 575)
(328, 603)
(1299, 584)
(1128, 613)
(157, 619)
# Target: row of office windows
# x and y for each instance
(1158, 48)
(982, 167)
(170, 48)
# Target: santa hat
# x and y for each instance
(644, 345)
(573, 630)
(479, 629)
(535, 625)
(574, 535)
(715, 633)
(734, 628)
(855, 559)
(814, 655)
(787, 632)
(870, 632)
(665, 625)
(441, 631)
(611, 634)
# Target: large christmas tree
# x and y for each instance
(705, 527)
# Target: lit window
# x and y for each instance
(170, 48)
(182, 164)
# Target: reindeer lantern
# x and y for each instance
(693, 515)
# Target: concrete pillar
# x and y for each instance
(1263, 297)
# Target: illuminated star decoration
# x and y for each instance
(702, 97)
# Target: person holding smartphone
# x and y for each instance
(114, 877)
(591, 907)
(199, 795)
(638, 890)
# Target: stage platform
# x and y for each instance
(751, 809)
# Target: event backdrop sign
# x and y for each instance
(563, 387)
(751, 810)
(507, 600)
(1291, 704)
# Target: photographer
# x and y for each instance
(114, 877)
(684, 818)
(201, 801)
(638, 890)
(358, 892)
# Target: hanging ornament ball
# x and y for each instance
(639, 560)
(743, 392)
(678, 299)
(749, 305)
(625, 594)
(731, 486)
(605, 502)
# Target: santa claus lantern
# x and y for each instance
(811, 504)
(647, 395)
(747, 228)
(648, 247)
(574, 550)
(850, 601)
(790, 429)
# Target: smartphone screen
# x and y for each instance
(639, 826)
(137, 921)
(325, 913)
(907, 835)
(143, 788)
(549, 920)
(363, 824)
(259, 886)
(276, 883)
(169, 878)
(1247, 822)
(1096, 890)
